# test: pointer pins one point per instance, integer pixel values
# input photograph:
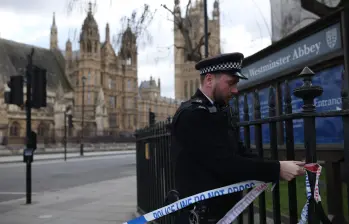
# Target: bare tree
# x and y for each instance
(138, 23)
(192, 44)
(321, 9)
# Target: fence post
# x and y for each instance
(345, 92)
(247, 142)
(274, 154)
(259, 146)
(290, 155)
(308, 93)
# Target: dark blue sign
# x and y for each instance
(314, 46)
(264, 108)
(328, 130)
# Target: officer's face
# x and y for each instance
(225, 87)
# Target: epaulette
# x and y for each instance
(199, 105)
(191, 104)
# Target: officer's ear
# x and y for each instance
(210, 79)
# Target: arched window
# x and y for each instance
(42, 130)
(186, 89)
(89, 46)
(15, 129)
(129, 85)
(191, 87)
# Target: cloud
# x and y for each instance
(245, 27)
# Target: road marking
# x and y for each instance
(16, 193)
(45, 216)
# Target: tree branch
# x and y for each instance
(177, 19)
(187, 13)
(179, 47)
(192, 49)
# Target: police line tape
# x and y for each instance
(185, 202)
(258, 188)
(252, 195)
(315, 168)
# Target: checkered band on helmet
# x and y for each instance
(220, 67)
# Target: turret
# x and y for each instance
(215, 12)
(89, 36)
(128, 50)
(107, 34)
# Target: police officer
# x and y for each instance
(203, 156)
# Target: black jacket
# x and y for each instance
(205, 158)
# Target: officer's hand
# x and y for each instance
(291, 169)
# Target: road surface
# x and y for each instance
(57, 174)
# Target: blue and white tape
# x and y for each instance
(304, 214)
(185, 202)
(258, 186)
(243, 203)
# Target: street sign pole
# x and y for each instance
(29, 134)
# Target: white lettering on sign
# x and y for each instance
(296, 54)
(306, 50)
(270, 66)
(328, 102)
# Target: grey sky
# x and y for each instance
(242, 28)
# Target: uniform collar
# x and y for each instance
(205, 99)
(211, 101)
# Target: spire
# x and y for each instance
(90, 7)
(54, 20)
(53, 36)
(215, 12)
(107, 33)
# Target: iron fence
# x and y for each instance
(155, 176)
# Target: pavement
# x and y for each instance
(55, 156)
(112, 201)
(53, 175)
(96, 189)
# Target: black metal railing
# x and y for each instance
(155, 177)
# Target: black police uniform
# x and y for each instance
(203, 155)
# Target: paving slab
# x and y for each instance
(112, 201)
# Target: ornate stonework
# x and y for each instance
(113, 102)
(187, 79)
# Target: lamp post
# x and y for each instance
(66, 112)
(82, 117)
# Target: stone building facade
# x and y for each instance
(96, 82)
(151, 100)
(287, 16)
(187, 79)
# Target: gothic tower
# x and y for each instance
(89, 65)
(128, 59)
(187, 79)
(54, 34)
